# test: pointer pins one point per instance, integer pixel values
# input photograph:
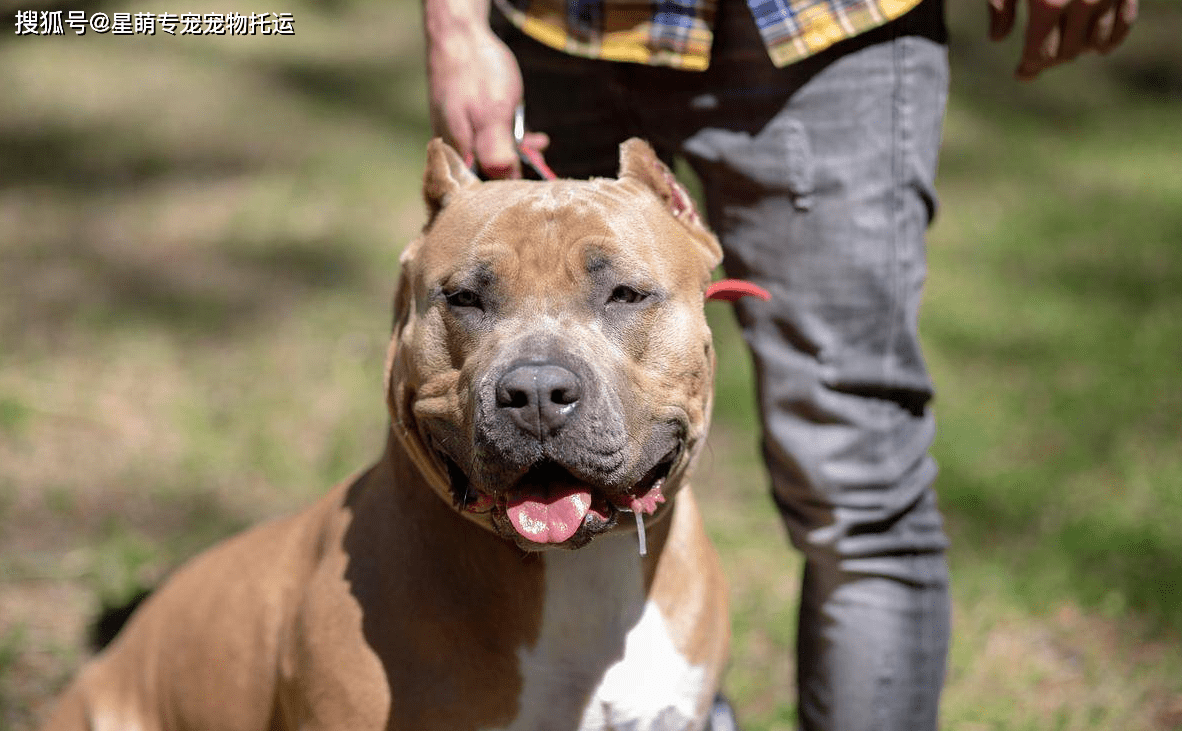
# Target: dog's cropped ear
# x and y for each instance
(640, 163)
(446, 174)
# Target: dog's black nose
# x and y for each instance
(539, 398)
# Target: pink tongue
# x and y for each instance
(550, 519)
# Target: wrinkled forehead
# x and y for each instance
(516, 228)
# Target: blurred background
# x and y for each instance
(198, 243)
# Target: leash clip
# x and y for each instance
(519, 126)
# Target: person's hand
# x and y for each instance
(474, 85)
(1059, 30)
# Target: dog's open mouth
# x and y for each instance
(549, 505)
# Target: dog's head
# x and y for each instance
(551, 366)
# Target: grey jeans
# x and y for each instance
(818, 179)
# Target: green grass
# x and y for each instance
(197, 246)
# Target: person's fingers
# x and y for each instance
(1001, 18)
(1060, 30)
(1101, 30)
(1041, 58)
(495, 152)
(452, 125)
(1125, 16)
(1041, 45)
(536, 141)
(1076, 25)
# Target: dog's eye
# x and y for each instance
(626, 295)
(463, 298)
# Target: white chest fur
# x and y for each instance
(604, 658)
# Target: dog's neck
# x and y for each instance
(580, 624)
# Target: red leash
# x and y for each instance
(729, 290)
(533, 158)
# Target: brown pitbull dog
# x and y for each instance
(549, 383)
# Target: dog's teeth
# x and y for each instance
(640, 532)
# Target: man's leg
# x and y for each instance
(825, 202)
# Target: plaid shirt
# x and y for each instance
(678, 33)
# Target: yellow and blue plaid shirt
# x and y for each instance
(678, 33)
